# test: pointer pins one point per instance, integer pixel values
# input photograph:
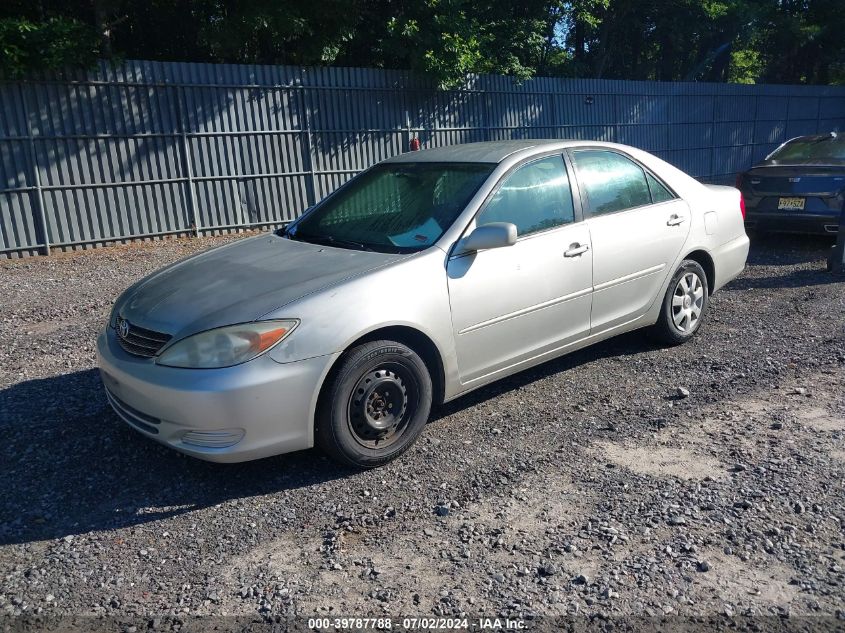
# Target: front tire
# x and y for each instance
(375, 406)
(684, 304)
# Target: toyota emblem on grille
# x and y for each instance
(122, 327)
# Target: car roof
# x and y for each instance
(486, 152)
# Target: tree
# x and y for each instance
(790, 41)
(447, 39)
(28, 46)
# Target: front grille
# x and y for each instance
(139, 341)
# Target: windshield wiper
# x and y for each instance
(327, 239)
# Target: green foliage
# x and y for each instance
(746, 67)
(264, 31)
(445, 44)
(787, 41)
(29, 46)
(447, 39)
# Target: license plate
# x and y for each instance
(791, 204)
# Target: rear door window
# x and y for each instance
(659, 192)
(610, 182)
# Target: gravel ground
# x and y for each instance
(623, 480)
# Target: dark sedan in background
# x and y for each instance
(798, 188)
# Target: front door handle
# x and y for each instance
(576, 249)
(675, 220)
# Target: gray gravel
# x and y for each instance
(626, 479)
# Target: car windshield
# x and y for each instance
(393, 207)
(811, 149)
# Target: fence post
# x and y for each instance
(785, 136)
(754, 141)
(36, 174)
(307, 154)
(486, 115)
(187, 168)
(189, 174)
(712, 138)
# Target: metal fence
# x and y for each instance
(148, 149)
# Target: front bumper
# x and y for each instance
(249, 411)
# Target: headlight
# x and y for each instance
(226, 346)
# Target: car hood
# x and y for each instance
(240, 282)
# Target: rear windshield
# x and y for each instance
(811, 149)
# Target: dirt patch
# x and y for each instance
(533, 509)
(286, 567)
(48, 327)
(821, 419)
(663, 461)
(754, 407)
(742, 585)
(838, 455)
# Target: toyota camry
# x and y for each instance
(426, 276)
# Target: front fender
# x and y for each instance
(412, 293)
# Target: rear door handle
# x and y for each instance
(576, 249)
(675, 220)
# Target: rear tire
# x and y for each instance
(375, 406)
(684, 305)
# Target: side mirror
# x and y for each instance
(493, 235)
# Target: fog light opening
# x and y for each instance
(831, 228)
(213, 439)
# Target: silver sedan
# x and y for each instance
(424, 277)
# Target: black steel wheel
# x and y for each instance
(378, 408)
(375, 405)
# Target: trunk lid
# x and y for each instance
(795, 180)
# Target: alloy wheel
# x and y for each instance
(688, 302)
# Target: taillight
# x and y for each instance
(742, 205)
